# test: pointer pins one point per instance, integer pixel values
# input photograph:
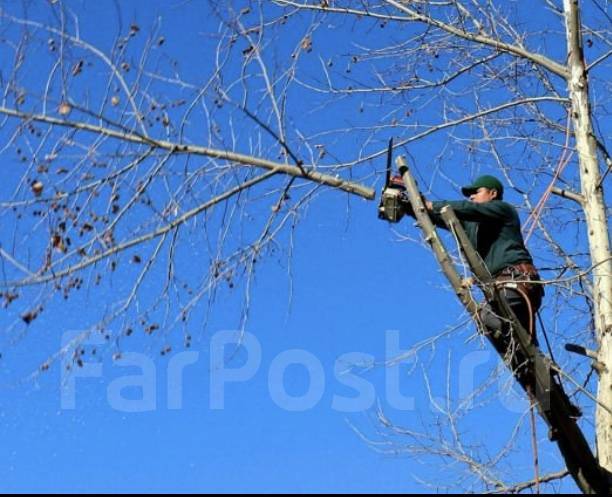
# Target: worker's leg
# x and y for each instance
(500, 327)
(494, 322)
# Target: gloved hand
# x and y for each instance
(407, 207)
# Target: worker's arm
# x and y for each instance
(434, 216)
(469, 211)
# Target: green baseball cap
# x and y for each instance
(490, 182)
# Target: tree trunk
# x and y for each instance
(597, 224)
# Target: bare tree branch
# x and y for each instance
(333, 181)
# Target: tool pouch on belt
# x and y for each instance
(520, 276)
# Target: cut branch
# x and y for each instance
(248, 160)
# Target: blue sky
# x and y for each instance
(350, 285)
(252, 444)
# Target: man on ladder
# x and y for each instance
(493, 227)
(488, 231)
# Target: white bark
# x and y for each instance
(597, 223)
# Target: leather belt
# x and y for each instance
(525, 268)
(511, 276)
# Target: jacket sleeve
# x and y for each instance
(436, 218)
(469, 211)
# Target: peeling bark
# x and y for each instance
(596, 221)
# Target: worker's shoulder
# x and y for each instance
(504, 207)
(502, 204)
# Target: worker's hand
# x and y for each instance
(407, 208)
(467, 282)
(429, 205)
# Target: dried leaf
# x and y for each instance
(151, 328)
(78, 67)
(9, 298)
(64, 109)
(57, 242)
(29, 316)
(306, 44)
(108, 238)
(37, 188)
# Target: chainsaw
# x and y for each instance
(394, 203)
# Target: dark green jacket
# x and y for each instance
(493, 228)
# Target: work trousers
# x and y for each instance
(493, 321)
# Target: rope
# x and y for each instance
(546, 337)
(563, 161)
(535, 215)
(527, 300)
(534, 438)
(534, 442)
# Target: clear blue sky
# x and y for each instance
(355, 287)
